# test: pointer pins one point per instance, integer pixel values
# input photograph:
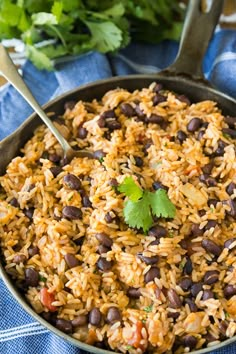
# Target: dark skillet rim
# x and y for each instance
(6, 278)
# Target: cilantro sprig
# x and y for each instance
(55, 28)
(142, 205)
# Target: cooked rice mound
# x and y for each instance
(191, 302)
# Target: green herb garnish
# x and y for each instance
(42, 278)
(142, 205)
(182, 264)
(54, 28)
(148, 308)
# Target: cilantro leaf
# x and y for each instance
(142, 205)
(148, 308)
(161, 204)
(138, 214)
(40, 60)
(57, 10)
(106, 35)
(44, 18)
(130, 189)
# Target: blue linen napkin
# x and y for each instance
(19, 332)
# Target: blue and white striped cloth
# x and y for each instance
(19, 333)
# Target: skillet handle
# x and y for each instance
(199, 26)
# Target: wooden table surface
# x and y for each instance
(229, 9)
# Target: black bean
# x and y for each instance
(113, 315)
(29, 213)
(181, 136)
(102, 249)
(159, 185)
(19, 258)
(158, 87)
(138, 161)
(155, 119)
(211, 247)
(229, 291)
(211, 277)
(155, 242)
(146, 146)
(174, 299)
(148, 260)
(103, 264)
(72, 181)
(208, 168)
(229, 242)
(104, 239)
(194, 124)
(33, 250)
(79, 241)
(230, 188)
(31, 277)
(133, 293)
(230, 132)
(207, 294)
(188, 267)
(232, 205)
(82, 133)
(158, 98)
(99, 154)
(55, 170)
(69, 105)
(127, 109)
(190, 342)
(55, 158)
(191, 304)
(173, 315)
(113, 182)
(71, 213)
(95, 317)
(64, 325)
(153, 273)
(185, 283)
(223, 325)
(108, 218)
(231, 121)
(14, 202)
(208, 180)
(196, 231)
(220, 149)
(200, 134)
(195, 289)
(184, 99)
(209, 338)
(86, 202)
(139, 112)
(113, 125)
(101, 122)
(71, 260)
(210, 224)
(157, 231)
(201, 212)
(80, 320)
(213, 202)
(110, 113)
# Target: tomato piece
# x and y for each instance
(137, 337)
(47, 298)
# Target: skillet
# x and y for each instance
(184, 76)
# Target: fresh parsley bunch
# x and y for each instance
(141, 205)
(56, 28)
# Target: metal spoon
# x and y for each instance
(9, 71)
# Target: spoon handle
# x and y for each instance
(10, 72)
